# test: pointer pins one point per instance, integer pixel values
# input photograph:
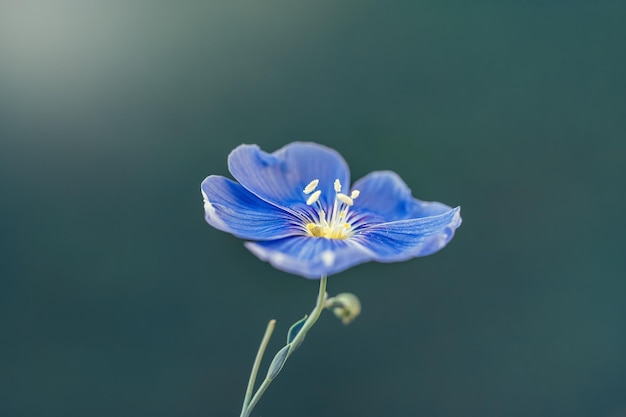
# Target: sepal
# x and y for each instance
(278, 362)
(295, 329)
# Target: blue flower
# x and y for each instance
(296, 208)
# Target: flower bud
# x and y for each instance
(345, 306)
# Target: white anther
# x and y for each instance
(337, 185)
(337, 223)
(314, 197)
(311, 187)
(345, 199)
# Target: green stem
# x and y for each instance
(257, 363)
(315, 314)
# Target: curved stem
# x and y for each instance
(257, 363)
(315, 314)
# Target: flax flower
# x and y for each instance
(297, 210)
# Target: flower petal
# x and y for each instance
(385, 194)
(405, 239)
(311, 257)
(280, 177)
(232, 208)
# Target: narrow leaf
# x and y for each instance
(278, 362)
(295, 329)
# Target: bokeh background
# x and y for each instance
(117, 299)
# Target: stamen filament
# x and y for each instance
(336, 223)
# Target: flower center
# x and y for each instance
(334, 224)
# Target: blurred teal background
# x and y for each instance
(117, 299)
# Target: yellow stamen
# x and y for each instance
(334, 224)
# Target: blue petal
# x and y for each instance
(384, 194)
(232, 208)
(311, 257)
(385, 242)
(404, 239)
(280, 177)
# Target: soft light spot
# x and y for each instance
(355, 194)
(278, 258)
(211, 213)
(328, 258)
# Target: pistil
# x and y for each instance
(337, 224)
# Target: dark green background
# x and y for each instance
(117, 299)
